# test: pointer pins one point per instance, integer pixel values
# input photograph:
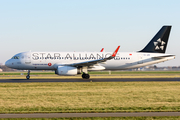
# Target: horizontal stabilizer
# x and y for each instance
(161, 57)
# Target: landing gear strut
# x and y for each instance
(85, 76)
(28, 75)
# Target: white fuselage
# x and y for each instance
(51, 60)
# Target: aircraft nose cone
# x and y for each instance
(7, 63)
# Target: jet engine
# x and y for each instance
(67, 70)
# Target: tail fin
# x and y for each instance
(159, 42)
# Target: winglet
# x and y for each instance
(102, 50)
(115, 52)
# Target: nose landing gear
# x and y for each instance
(28, 75)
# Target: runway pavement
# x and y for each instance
(90, 80)
(68, 115)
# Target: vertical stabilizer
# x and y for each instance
(159, 42)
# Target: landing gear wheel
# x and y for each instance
(27, 77)
(85, 76)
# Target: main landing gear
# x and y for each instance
(28, 75)
(85, 76)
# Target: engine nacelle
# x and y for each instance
(67, 70)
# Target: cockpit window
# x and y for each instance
(15, 57)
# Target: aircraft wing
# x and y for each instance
(93, 62)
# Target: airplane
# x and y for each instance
(73, 63)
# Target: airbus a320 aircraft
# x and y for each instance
(73, 63)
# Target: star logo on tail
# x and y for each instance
(159, 45)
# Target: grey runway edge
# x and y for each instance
(91, 80)
(68, 115)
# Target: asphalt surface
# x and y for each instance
(90, 80)
(68, 115)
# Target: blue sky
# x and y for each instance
(86, 25)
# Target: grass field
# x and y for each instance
(89, 97)
(97, 118)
